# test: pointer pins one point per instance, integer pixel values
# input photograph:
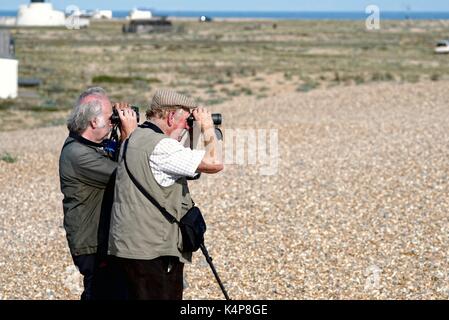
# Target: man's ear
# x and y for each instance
(170, 118)
(94, 123)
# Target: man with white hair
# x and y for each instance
(87, 177)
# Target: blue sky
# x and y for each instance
(245, 5)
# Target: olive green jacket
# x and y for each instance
(87, 180)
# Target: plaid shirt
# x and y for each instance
(170, 161)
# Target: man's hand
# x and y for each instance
(128, 119)
(121, 105)
(211, 162)
(204, 118)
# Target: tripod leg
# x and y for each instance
(209, 261)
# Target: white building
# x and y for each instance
(40, 14)
(102, 14)
(138, 14)
(9, 68)
(8, 78)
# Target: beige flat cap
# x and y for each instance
(165, 98)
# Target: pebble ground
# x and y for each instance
(353, 206)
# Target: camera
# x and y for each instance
(115, 119)
(216, 118)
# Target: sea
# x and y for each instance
(280, 15)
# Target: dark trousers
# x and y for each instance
(103, 279)
(156, 279)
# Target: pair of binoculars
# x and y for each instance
(216, 118)
(115, 119)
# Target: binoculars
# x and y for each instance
(115, 119)
(216, 118)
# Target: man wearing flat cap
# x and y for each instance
(146, 244)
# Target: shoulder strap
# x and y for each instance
(152, 126)
(164, 212)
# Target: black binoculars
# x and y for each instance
(115, 119)
(216, 118)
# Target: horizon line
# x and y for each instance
(261, 11)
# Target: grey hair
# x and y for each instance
(94, 91)
(84, 112)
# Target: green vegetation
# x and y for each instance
(7, 157)
(217, 62)
(123, 80)
(6, 104)
(307, 86)
(435, 77)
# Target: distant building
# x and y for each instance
(9, 67)
(143, 21)
(102, 14)
(140, 14)
(39, 14)
(148, 26)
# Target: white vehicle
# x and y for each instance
(442, 46)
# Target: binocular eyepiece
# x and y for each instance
(115, 119)
(216, 118)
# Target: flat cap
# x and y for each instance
(165, 98)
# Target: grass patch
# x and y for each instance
(8, 158)
(247, 91)
(307, 86)
(47, 106)
(359, 79)
(231, 93)
(435, 77)
(215, 101)
(412, 78)
(288, 75)
(6, 104)
(43, 108)
(122, 80)
(211, 91)
(337, 77)
(55, 122)
(378, 76)
(224, 81)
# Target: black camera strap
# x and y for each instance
(152, 126)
